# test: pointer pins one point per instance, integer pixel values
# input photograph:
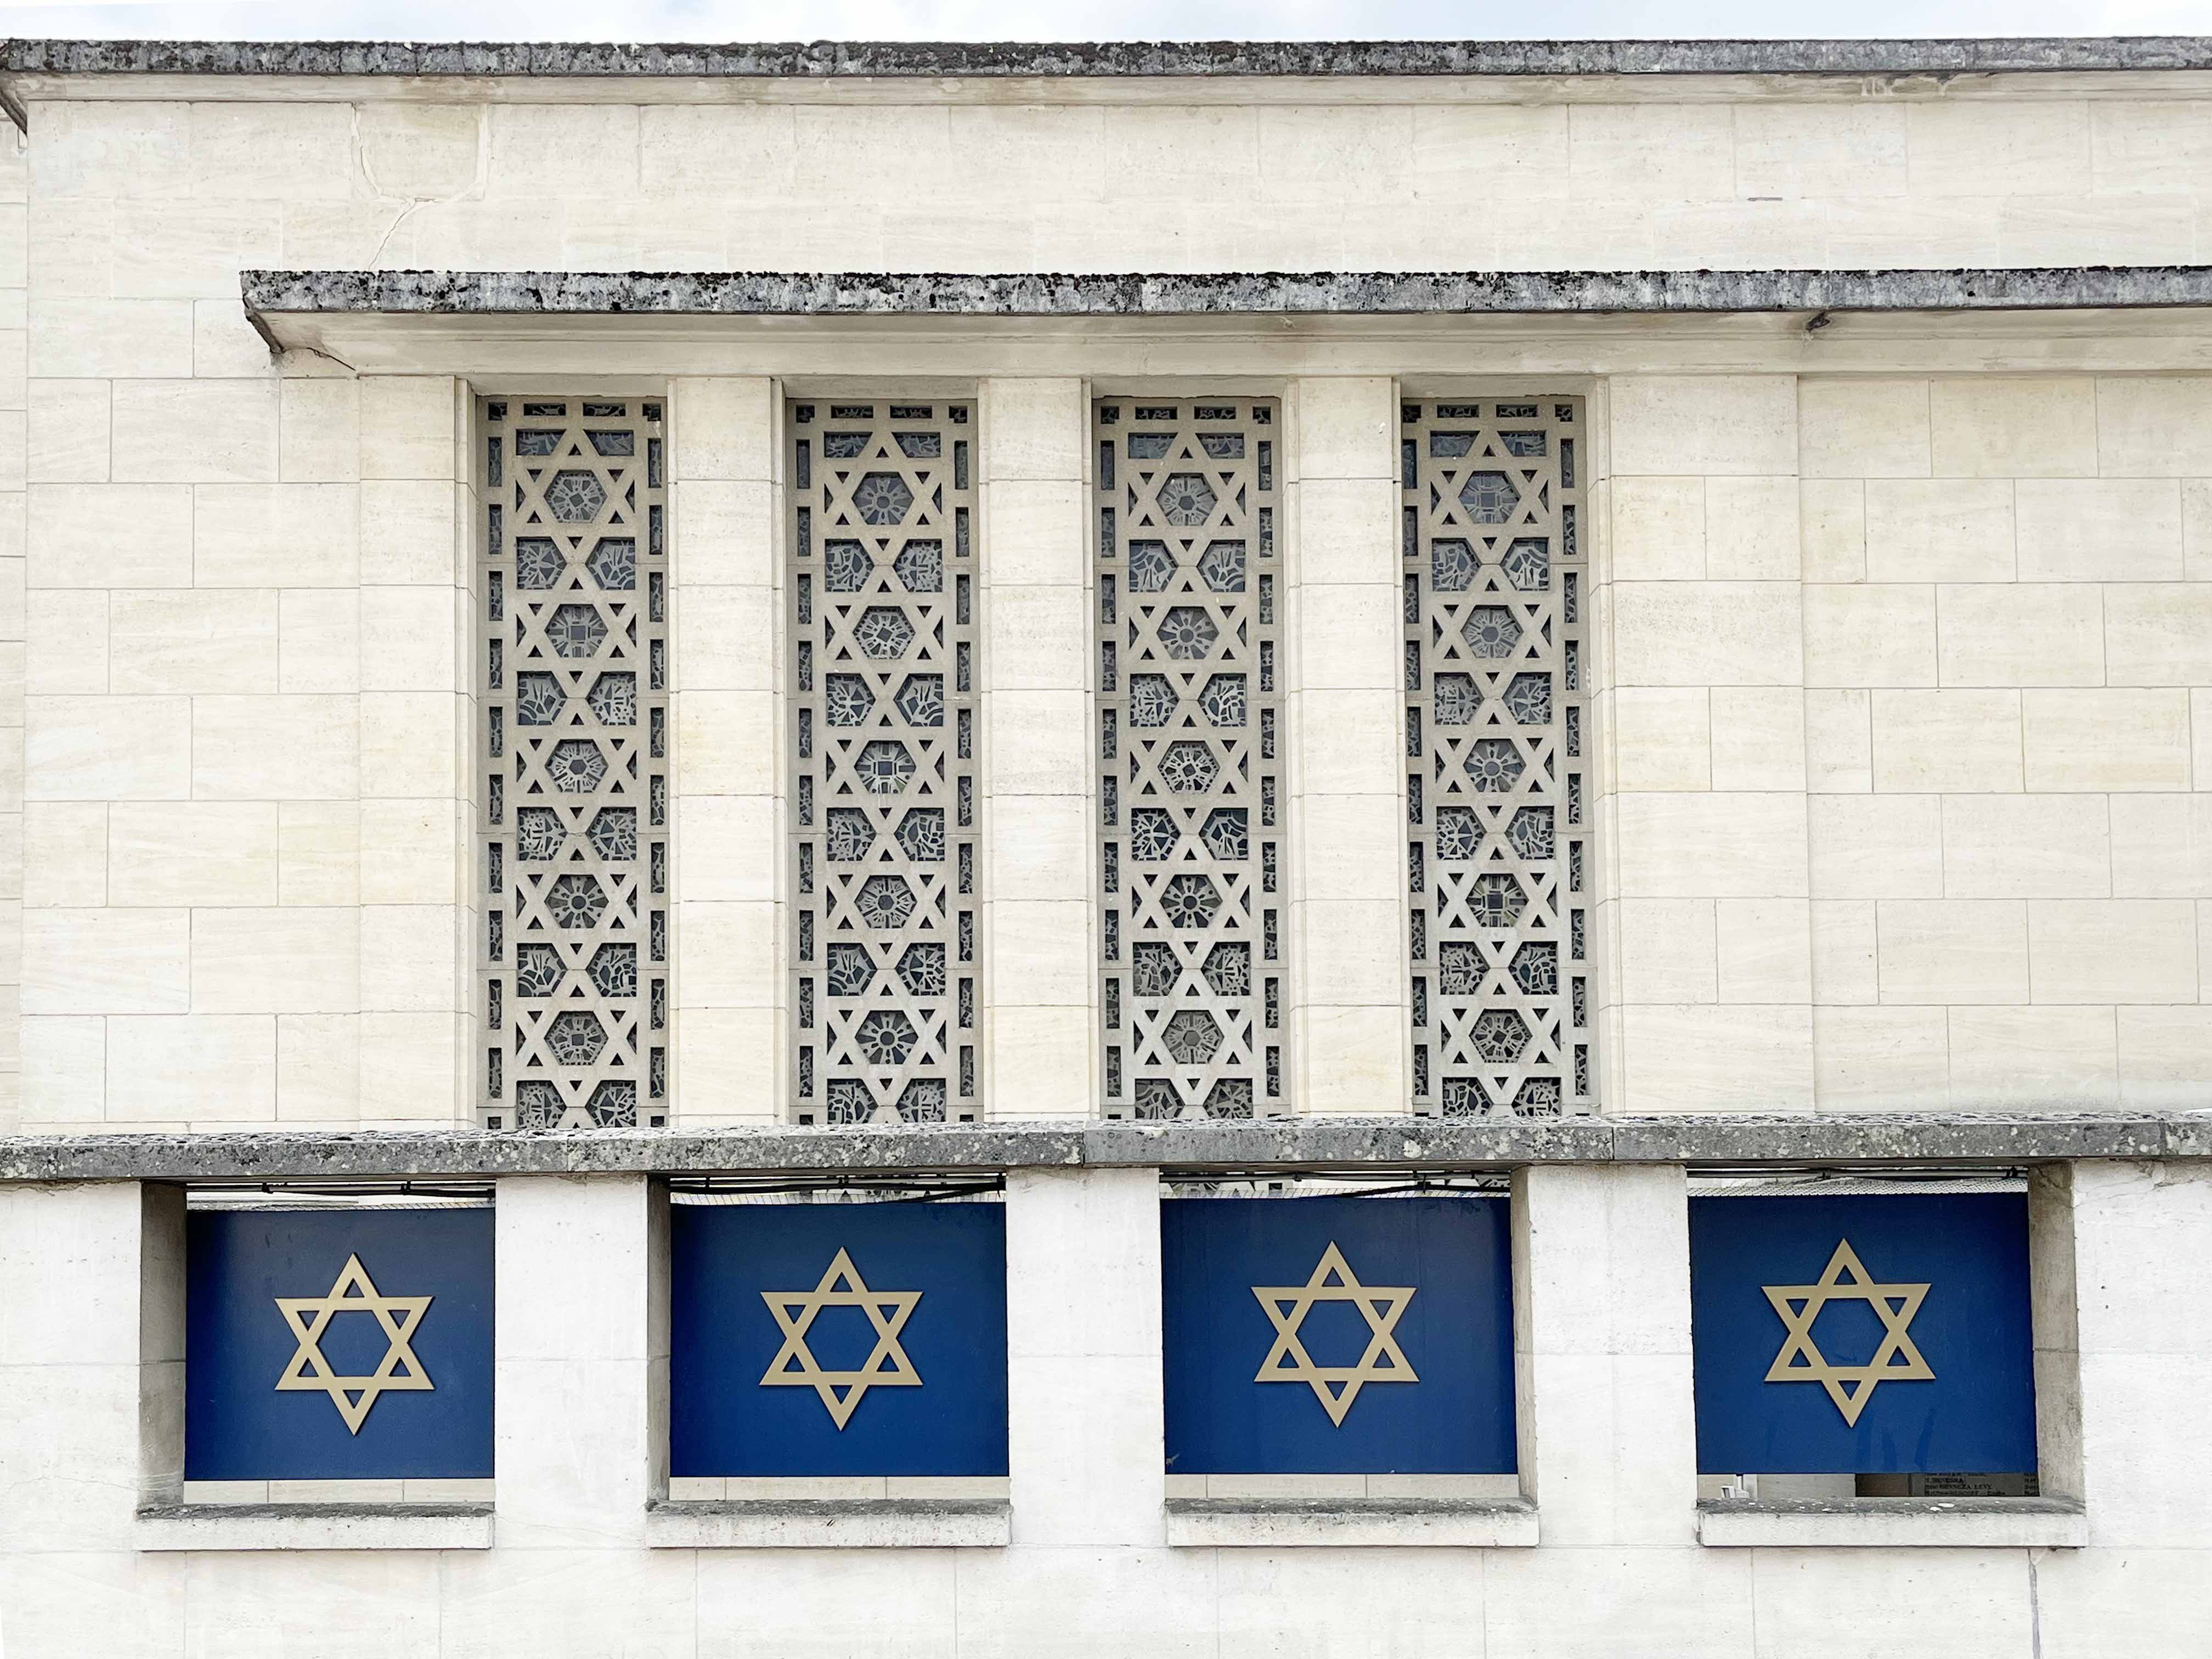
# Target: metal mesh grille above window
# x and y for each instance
(885, 989)
(572, 742)
(1498, 846)
(1188, 604)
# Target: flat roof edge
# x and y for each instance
(860, 59)
(784, 294)
(1901, 1139)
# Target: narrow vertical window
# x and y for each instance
(881, 587)
(1188, 604)
(1496, 794)
(572, 607)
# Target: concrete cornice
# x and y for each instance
(1900, 1140)
(1131, 60)
(270, 294)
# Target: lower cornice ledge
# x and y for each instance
(1889, 1522)
(1316, 1143)
(1342, 1522)
(831, 1524)
(314, 1527)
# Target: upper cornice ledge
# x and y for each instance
(862, 59)
(1732, 1140)
(1327, 293)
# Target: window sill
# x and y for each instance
(1348, 1522)
(315, 1526)
(1888, 1523)
(831, 1524)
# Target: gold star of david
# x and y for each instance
(1850, 1387)
(309, 1316)
(1335, 1386)
(887, 1365)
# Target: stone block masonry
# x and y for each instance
(1875, 726)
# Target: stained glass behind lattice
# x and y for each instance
(882, 595)
(1498, 848)
(573, 745)
(1189, 591)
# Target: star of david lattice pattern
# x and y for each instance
(1496, 791)
(882, 589)
(573, 747)
(1190, 774)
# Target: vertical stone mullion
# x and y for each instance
(731, 931)
(581, 1430)
(1347, 984)
(1603, 1406)
(1085, 1427)
(1040, 749)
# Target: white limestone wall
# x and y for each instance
(2007, 626)
(1595, 174)
(1702, 828)
(1819, 607)
(1605, 1402)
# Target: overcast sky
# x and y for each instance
(1092, 20)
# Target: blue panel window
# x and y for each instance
(338, 1344)
(1338, 1335)
(837, 1340)
(1862, 1334)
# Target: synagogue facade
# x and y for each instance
(1227, 850)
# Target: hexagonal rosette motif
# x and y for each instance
(576, 765)
(1191, 1036)
(883, 766)
(575, 631)
(1491, 631)
(1187, 499)
(576, 902)
(882, 498)
(1188, 768)
(884, 632)
(1187, 632)
(576, 1037)
(575, 497)
(1500, 1036)
(1489, 497)
(885, 902)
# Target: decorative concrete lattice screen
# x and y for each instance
(1188, 606)
(882, 590)
(574, 747)
(1497, 854)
